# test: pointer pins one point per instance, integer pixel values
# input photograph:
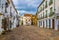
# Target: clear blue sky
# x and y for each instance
(26, 6)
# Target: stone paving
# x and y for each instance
(31, 33)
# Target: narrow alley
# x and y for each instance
(30, 33)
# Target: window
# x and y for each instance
(6, 5)
(41, 9)
(46, 4)
(29, 20)
(43, 6)
(51, 10)
(10, 9)
(0, 3)
(43, 14)
(10, 12)
(46, 13)
(2, 6)
(14, 17)
(5, 10)
(38, 9)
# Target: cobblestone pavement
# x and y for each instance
(31, 33)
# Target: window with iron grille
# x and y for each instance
(0, 3)
(6, 5)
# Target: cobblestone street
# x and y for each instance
(31, 33)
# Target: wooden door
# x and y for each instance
(4, 24)
(53, 23)
(43, 24)
(46, 23)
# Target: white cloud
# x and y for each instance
(21, 4)
(29, 12)
(33, 3)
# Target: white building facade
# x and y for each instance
(2, 8)
(26, 20)
(8, 15)
(48, 14)
(13, 16)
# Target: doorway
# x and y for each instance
(53, 23)
(4, 24)
(43, 24)
(58, 25)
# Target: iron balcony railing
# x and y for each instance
(51, 14)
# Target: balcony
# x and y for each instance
(38, 18)
(51, 14)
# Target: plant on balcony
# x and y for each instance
(43, 0)
(51, 1)
(51, 14)
(46, 5)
